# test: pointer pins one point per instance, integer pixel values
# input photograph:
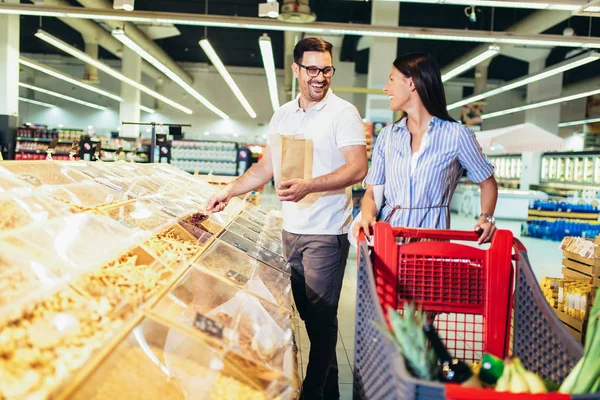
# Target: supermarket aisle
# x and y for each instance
(545, 258)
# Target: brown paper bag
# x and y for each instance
(296, 158)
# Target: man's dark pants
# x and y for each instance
(318, 263)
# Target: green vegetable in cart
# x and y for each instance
(585, 376)
(407, 334)
(491, 369)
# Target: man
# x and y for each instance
(316, 212)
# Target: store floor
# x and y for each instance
(545, 258)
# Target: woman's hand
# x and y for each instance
(364, 225)
(486, 228)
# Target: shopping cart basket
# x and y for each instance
(470, 291)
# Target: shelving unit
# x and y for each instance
(220, 158)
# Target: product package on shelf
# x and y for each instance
(45, 345)
(45, 172)
(256, 335)
(20, 210)
(257, 278)
(86, 195)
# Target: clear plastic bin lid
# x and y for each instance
(41, 173)
(8, 182)
(195, 302)
(127, 281)
(140, 216)
(24, 279)
(96, 170)
(77, 242)
(247, 273)
(172, 204)
(86, 195)
(19, 210)
(155, 361)
(259, 229)
(257, 333)
(263, 240)
(260, 253)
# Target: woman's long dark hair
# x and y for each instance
(425, 73)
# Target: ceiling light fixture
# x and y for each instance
(52, 72)
(62, 96)
(540, 104)
(316, 28)
(123, 38)
(37, 103)
(561, 5)
(266, 50)
(216, 61)
(126, 5)
(147, 109)
(548, 72)
(577, 123)
(489, 53)
(46, 37)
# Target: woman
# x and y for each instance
(421, 158)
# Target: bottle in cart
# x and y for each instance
(451, 370)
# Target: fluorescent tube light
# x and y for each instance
(37, 103)
(540, 104)
(105, 68)
(123, 38)
(553, 70)
(581, 122)
(66, 78)
(489, 53)
(62, 96)
(147, 109)
(216, 61)
(266, 50)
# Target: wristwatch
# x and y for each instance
(489, 218)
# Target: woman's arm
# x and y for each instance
(489, 197)
(368, 213)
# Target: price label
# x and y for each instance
(241, 247)
(208, 326)
(237, 277)
(251, 238)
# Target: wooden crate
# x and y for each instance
(583, 268)
(575, 326)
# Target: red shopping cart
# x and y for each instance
(470, 291)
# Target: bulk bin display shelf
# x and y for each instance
(115, 284)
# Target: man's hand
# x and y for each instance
(219, 201)
(293, 190)
(487, 230)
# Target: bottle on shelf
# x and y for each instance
(451, 369)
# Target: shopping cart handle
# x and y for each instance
(420, 233)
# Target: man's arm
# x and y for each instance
(259, 174)
(348, 174)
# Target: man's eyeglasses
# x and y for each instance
(313, 71)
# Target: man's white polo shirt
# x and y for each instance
(331, 124)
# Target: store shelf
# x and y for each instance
(42, 140)
(127, 151)
(564, 215)
(202, 159)
(58, 153)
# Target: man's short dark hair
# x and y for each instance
(311, 44)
